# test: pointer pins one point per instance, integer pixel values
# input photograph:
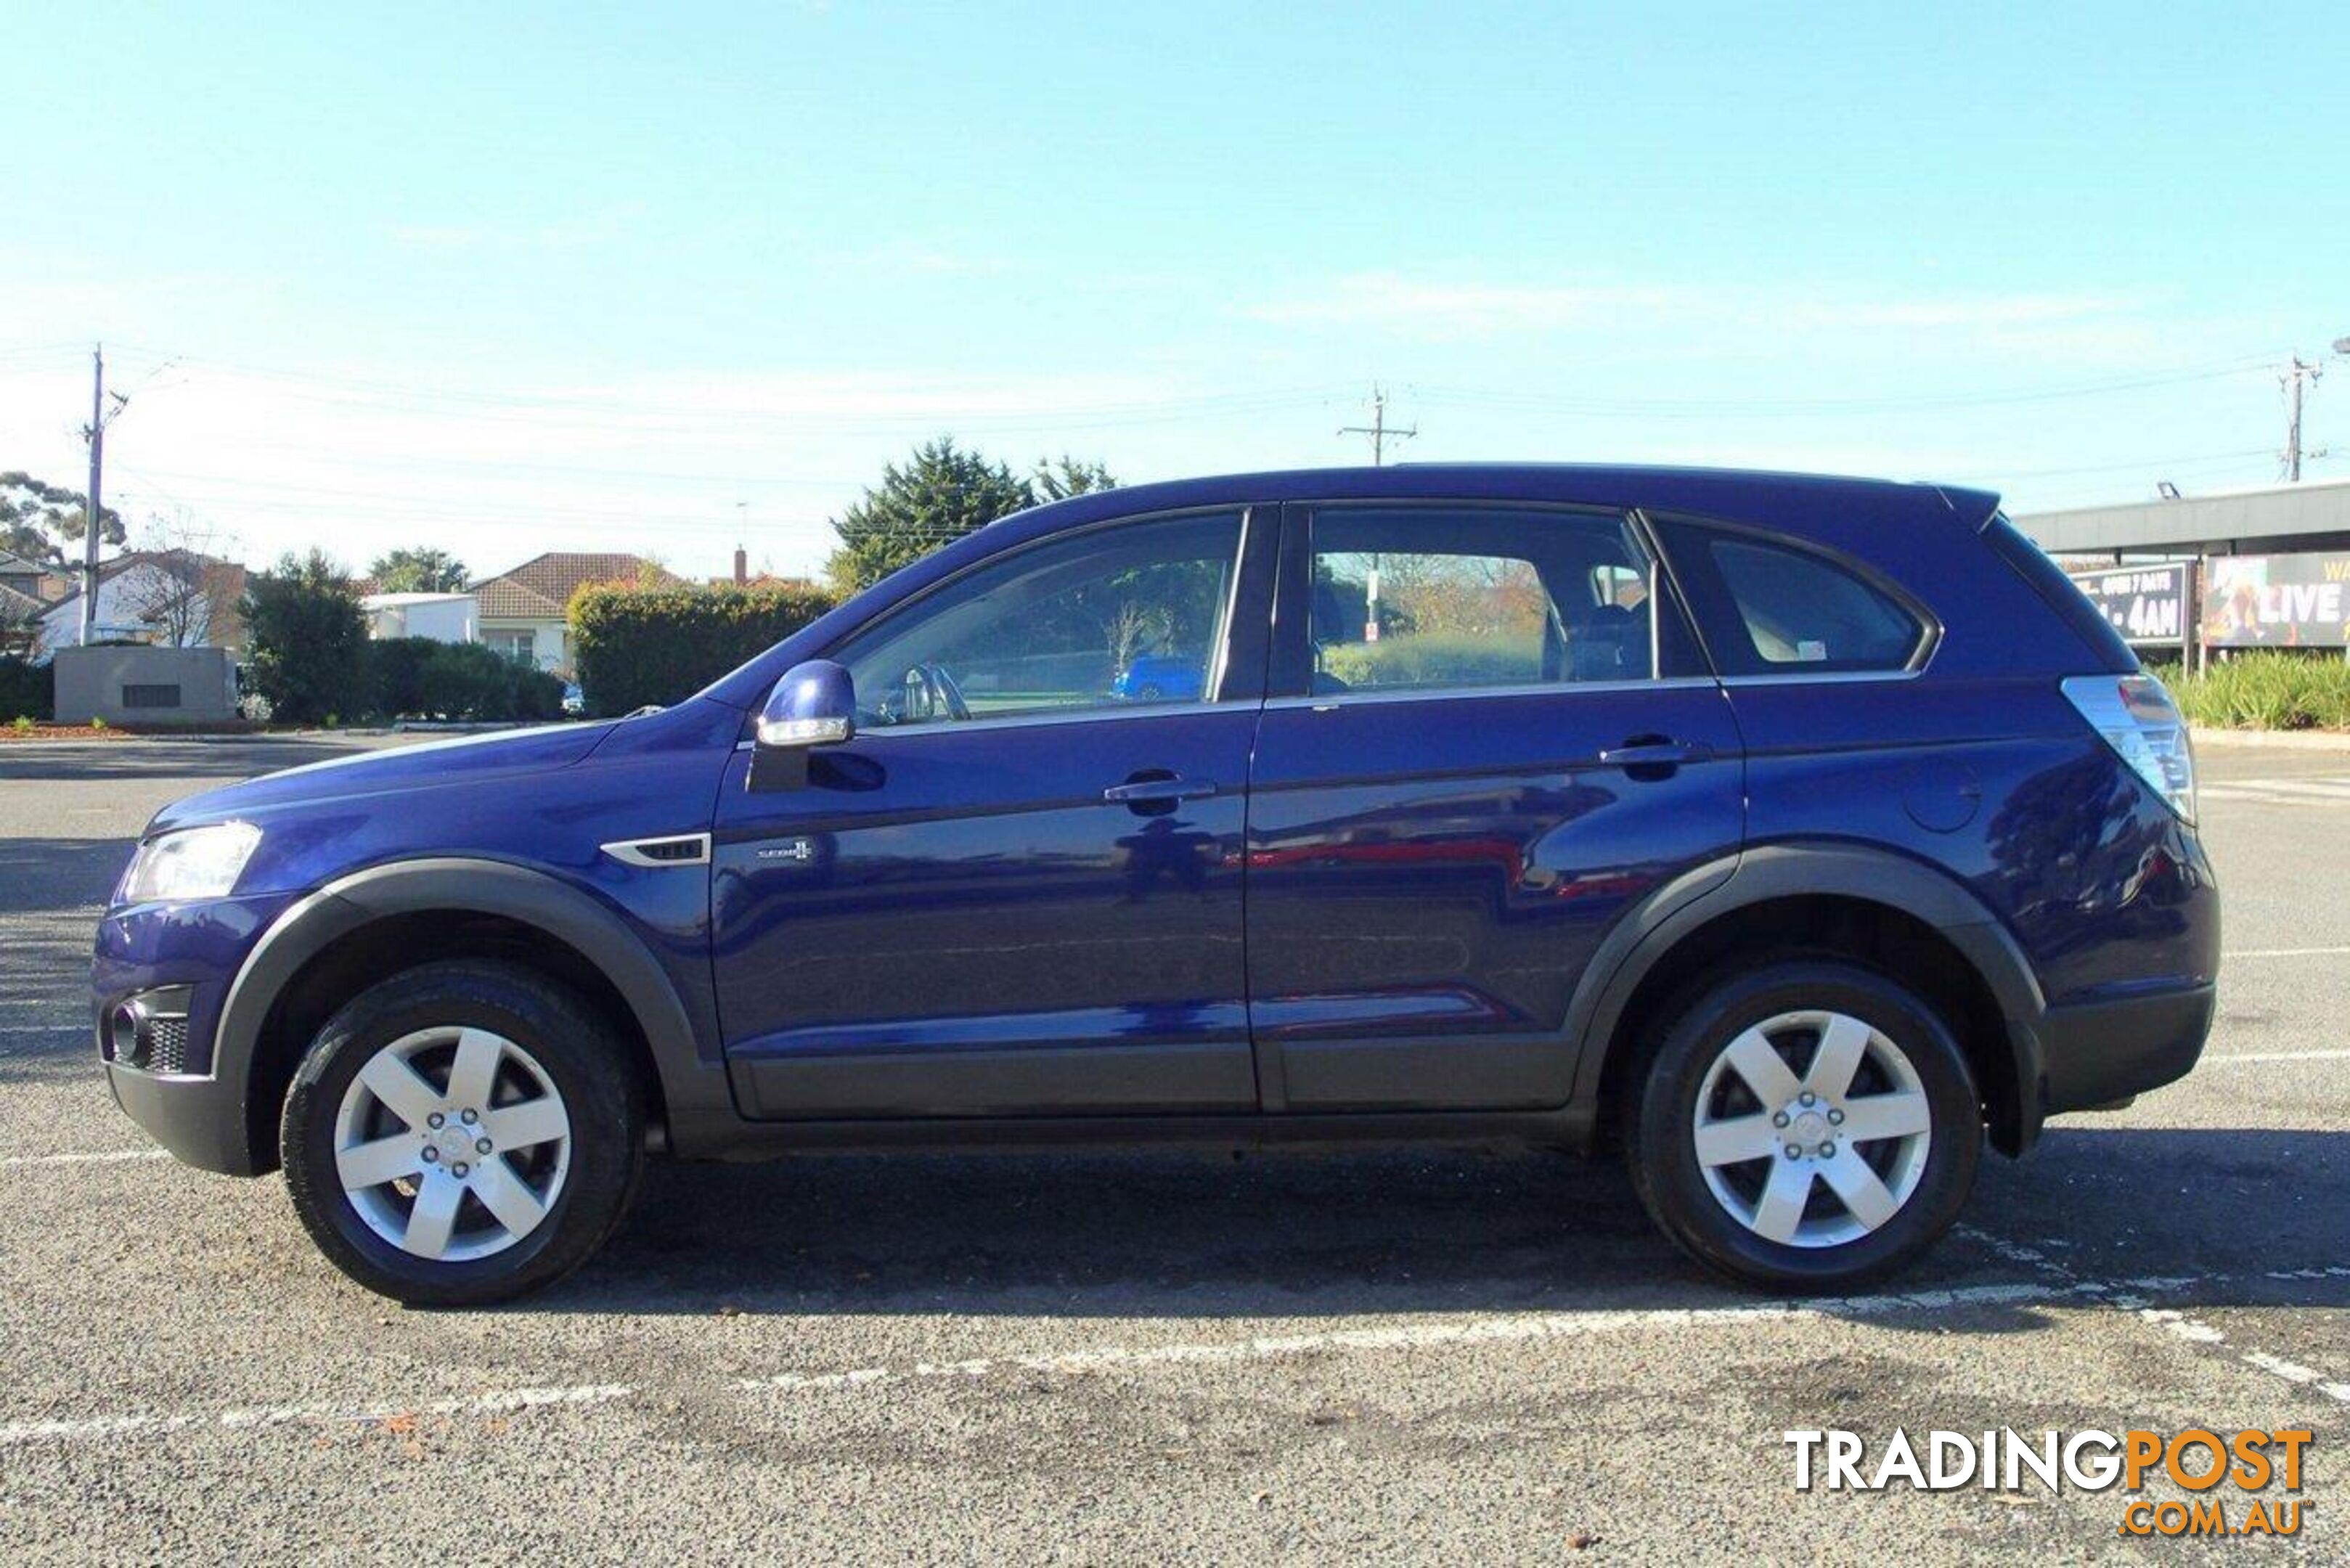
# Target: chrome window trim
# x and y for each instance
(1534, 689)
(1093, 715)
(1829, 677)
(631, 851)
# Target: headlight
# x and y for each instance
(194, 863)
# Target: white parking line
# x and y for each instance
(2195, 1331)
(493, 1404)
(42, 1028)
(2054, 1289)
(114, 1157)
(2282, 952)
(2217, 1056)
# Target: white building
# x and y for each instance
(443, 617)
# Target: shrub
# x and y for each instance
(2267, 691)
(416, 677)
(26, 691)
(309, 639)
(1432, 658)
(636, 646)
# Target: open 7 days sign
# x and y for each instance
(2147, 605)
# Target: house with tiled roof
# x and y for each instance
(30, 578)
(169, 599)
(522, 613)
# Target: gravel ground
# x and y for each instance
(1114, 1357)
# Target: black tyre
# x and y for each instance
(1804, 1125)
(463, 1132)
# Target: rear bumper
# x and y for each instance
(2093, 1054)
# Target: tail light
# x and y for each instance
(2136, 717)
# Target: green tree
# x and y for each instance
(422, 570)
(309, 637)
(1065, 476)
(38, 520)
(942, 493)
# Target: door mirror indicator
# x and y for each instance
(815, 704)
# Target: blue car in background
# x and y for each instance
(1797, 836)
(1158, 677)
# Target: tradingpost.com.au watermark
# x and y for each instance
(2235, 1480)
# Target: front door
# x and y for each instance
(1497, 739)
(1016, 891)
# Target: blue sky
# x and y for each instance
(650, 278)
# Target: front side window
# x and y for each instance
(1413, 598)
(1124, 617)
(1774, 608)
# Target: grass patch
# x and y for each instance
(2266, 691)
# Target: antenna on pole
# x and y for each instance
(1378, 430)
(2293, 377)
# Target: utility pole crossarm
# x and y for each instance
(1378, 430)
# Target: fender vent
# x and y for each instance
(682, 849)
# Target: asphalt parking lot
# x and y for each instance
(1413, 1355)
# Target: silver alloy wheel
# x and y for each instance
(1813, 1129)
(452, 1143)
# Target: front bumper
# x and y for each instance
(2093, 1054)
(199, 947)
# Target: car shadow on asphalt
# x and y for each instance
(2093, 1216)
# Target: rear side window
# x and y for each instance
(1421, 598)
(1768, 607)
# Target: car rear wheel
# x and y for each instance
(1805, 1124)
(460, 1134)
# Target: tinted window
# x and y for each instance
(1426, 598)
(1120, 617)
(1769, 609)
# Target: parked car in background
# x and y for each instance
(1159, 677)
(1796, 835)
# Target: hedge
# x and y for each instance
(416, 677)
(2267, 691)
(634, 645)
(26, 691)
(1429, 659)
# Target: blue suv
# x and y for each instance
(1796, 835)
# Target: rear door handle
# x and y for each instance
(1655, 754)
(1135, 790)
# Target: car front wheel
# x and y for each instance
(460, 1134)
(1805, 1124)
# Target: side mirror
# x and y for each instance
(815, 704)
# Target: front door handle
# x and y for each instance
(1643, 753)
(1143, 791)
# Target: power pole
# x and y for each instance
(2293, 377)
(1377, 429)
(95, 433)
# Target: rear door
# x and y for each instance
(1490, 735)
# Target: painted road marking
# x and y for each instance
(2284, 952)
(115, 1156)
(2280, 791)
(2272, 1056)
(2054, 1287)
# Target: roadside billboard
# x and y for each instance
(2147, 605)
(2276, 601)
